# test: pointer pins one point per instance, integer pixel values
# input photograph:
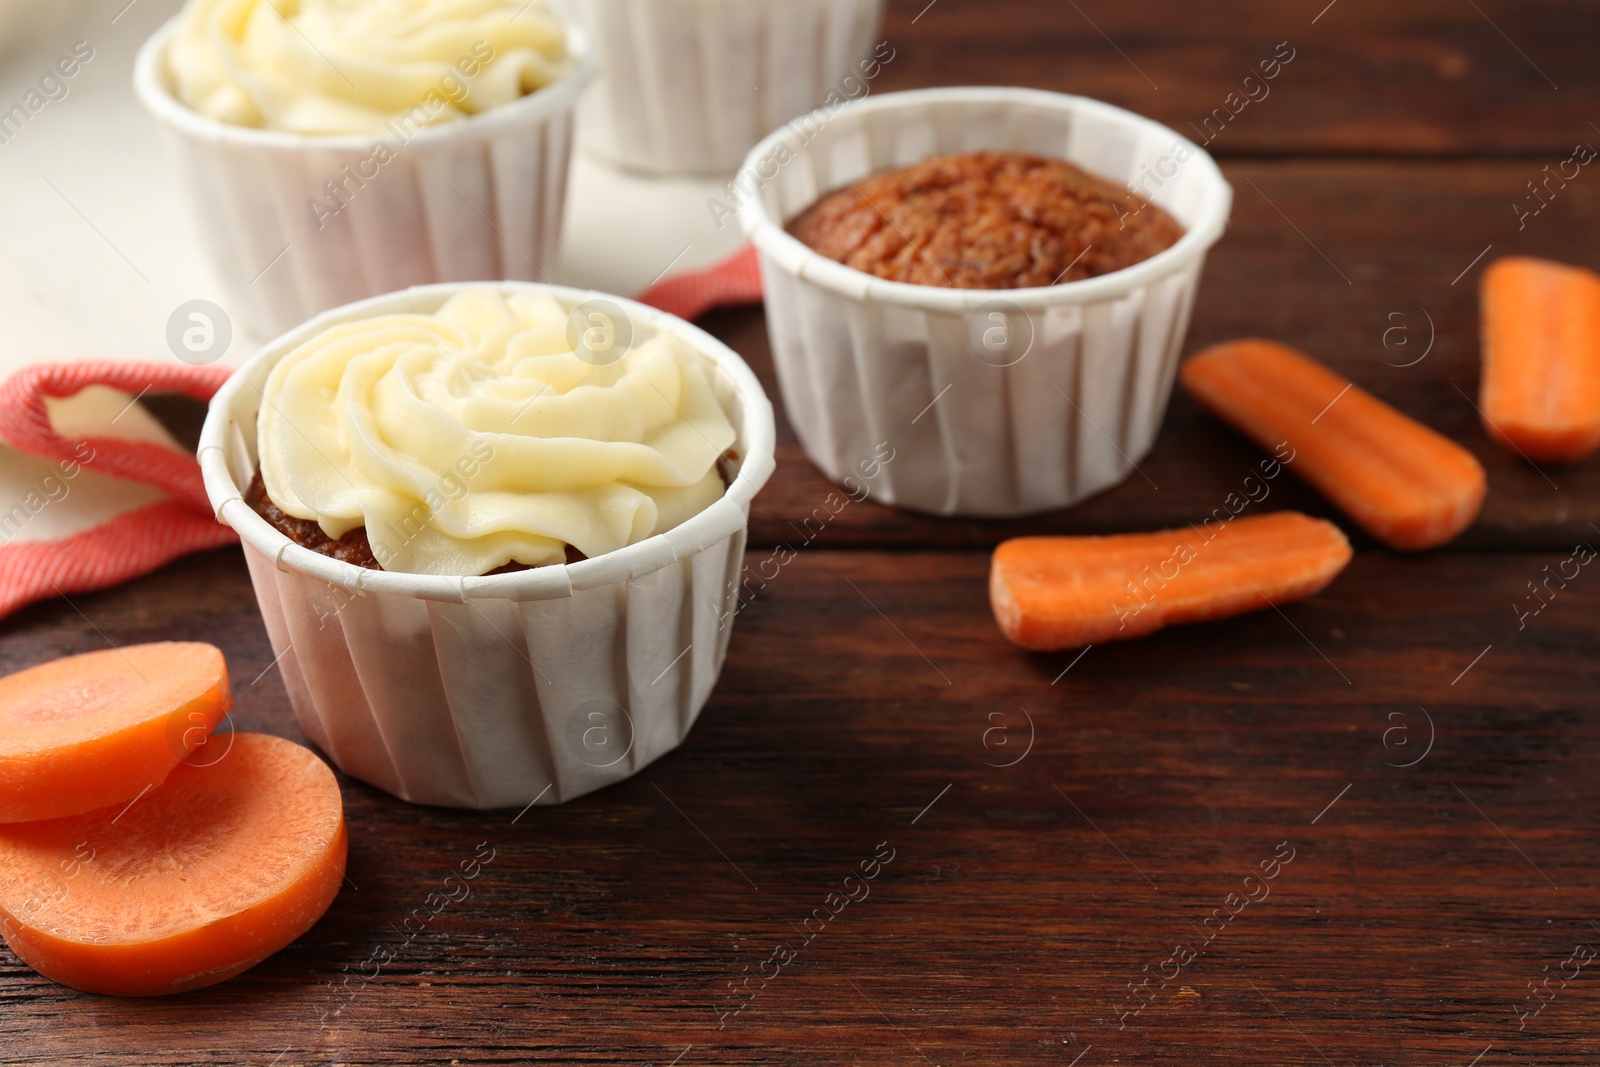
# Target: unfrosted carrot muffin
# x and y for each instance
(986, 220)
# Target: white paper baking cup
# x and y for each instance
(477, 199)
(504, 690)
(997, 402)
(688, 86)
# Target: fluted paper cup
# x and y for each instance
(998, 402)
(688, 86)
(510, 689)
(478, 199)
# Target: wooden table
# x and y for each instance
(1416, 771)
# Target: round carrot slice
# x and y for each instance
(204, 876)
(87, 731)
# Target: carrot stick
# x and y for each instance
(1066, 592)
(86, 731)
(207, 874)
(1540, 395)
(1409, 486)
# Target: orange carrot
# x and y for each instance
(207, 874)
(1540, 394)
(1066, 592)
(1409, 486)
(86, 731)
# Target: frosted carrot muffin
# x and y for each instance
(358, 66)
(486, 436)
(986, 220)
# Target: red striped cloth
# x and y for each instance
(736, 280)
(142, 539)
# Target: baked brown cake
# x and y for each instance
(986, 220)
(353, 547)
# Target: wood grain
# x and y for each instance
(1021, 900)
(1060, 825)
(1434, 77)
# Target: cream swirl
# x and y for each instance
(476, 436)
(351, 66)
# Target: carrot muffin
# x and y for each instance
(382, 67)
(485, 437)
(353, 547)
(986, 220)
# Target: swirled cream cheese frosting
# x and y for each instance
(354, 66)
(491, 432)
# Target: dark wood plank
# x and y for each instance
(1021, 901)
(1350, 260)
(861, 696)
(1432, 77)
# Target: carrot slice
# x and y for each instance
(1409, 486)
(1540, 394)
(86, 731)
(1066, 592)
(207, 874)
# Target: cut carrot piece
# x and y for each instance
(1540, 394)
(1067, 592)
(86, 731)
(1407, 485)
(207, 874)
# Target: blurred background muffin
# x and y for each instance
(689, 86)
(337, 150)
(322, 67)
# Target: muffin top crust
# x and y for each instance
(361, 66)
(986, 220)
(505, 428)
